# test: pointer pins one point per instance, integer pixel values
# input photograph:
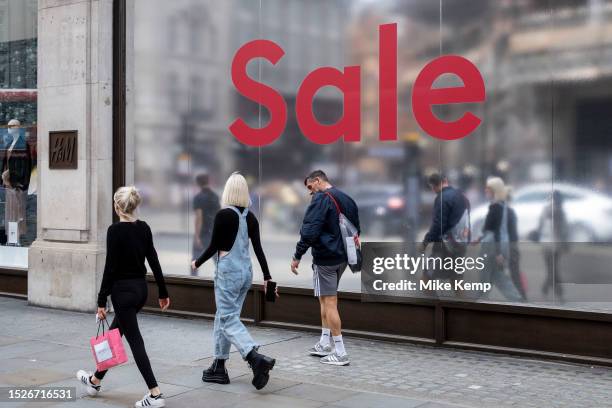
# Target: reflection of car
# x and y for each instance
(381, 208)
(283, 205)
(589, 214)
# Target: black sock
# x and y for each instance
(92, 383)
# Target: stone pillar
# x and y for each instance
(75, 206)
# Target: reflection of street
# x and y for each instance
(584, 271)
(174, 254)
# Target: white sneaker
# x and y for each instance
(92, 389)
(149, 401)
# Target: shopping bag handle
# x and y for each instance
(101, 323)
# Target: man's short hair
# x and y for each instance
(202, 179)
(316, 174)
(436, 179)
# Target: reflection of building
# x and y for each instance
(18, 60)
(561, 59)
(539, 60)
(180, 106)
(18, 100)
(183, 99)
(310, 33)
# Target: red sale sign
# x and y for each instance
(348, 128)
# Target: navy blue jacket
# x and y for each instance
(320, 230)
(449, 206)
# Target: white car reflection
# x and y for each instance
(589, 213)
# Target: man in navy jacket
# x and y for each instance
(321, 232)
(449, 206)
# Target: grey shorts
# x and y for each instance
(325, 279)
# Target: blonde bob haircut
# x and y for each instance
(127, 199)
(236, 192)
(499, 189)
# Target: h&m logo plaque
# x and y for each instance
(63, 152)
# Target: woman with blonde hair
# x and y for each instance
(234, 225)
(128, 243)
(499, 234)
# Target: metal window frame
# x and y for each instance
(119, 94)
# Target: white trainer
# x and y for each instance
(84, 377)
(149, 401)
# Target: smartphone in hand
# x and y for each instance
(270, 291)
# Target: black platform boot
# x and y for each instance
(216, 373)
(261, 366)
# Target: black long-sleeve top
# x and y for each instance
(493, 222)
(127, 246)
(225, 230)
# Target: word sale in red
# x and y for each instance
(424, 96)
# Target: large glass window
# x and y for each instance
(18, 189)
(546, 128)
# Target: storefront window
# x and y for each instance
(545, 129)
(18, 21)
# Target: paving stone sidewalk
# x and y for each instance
(45, 347)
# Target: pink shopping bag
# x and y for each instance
(108, 348)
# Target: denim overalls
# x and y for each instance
(233, 277)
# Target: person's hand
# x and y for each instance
(101, 313)
(193, 265)
(500, 259)
(164, 304)
(357, 241)
(266, 288)
(294, 265)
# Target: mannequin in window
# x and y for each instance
(15, 170)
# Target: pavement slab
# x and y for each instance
(45, 347)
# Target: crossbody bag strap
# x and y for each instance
(335, 203)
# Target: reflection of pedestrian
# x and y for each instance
(499, 232)
(449, 226)
(234, 226)
(552, 232)
(514, 263)
(205, 206)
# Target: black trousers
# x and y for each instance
(515, 269)
(129, 296)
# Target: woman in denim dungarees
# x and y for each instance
(233, 277)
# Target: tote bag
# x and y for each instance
(108, 348)
(349, 235)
